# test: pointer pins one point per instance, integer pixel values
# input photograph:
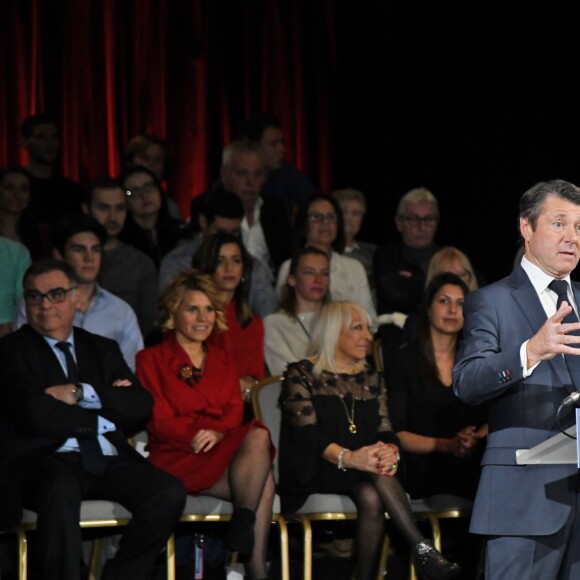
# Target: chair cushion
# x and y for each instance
(327, 502)
(91, 509)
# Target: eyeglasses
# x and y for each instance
(141, 191)
(415, 220)
(319, 218)
(55, 296)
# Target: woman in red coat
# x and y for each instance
(195, 431)
(225, 259)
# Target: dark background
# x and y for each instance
(474, 100)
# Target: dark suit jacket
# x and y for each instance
(33, 423)
(511, 499)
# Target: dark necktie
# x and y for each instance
(91, 452)
(560, 287)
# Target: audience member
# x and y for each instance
(319, 223)
(78, 240)
(148, 226)
(450, 259)
(224, 258)
(51, 194)
(336, 438)
(125, 271)
(14, 259)
(196, 430)
(152, 152)
(287, 332)
(222, 211)
(16, 220)
(284, 181)
(265, 228)
(400, 268)
(68, 404)
(441, 436)
(354, 207)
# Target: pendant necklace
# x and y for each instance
(350, 417)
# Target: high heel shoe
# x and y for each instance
(431, 563)
(240, 535)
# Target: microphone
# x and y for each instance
(571, 399)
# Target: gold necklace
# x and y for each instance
(350, 417)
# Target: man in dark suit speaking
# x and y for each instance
(68, 401)
(519, 354)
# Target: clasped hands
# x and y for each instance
(554, 338)
(381, 458)
(65, 393)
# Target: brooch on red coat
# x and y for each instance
(190, 374)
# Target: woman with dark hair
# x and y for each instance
(148, 226)
(16, 220)
(224, 257)
(336, 437)
(441, 436)
(287, 332)
(319, 223)
(196, 431)
(152, 152)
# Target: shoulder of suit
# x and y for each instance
(96, 340)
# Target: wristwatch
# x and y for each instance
(79, 392)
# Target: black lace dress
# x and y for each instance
(317, 412)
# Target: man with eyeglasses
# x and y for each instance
(400, 267)
(79, 241)
(67, 405)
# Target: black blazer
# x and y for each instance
(33, 423)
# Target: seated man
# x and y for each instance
(125, 271)
(68, 403)
(78, 240)
(221, 211)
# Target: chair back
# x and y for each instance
(265, 397)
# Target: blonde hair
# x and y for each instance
(334, 318)
(417, 195)
(350, 194)
(451, 254)
(172, 297)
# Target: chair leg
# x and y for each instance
(170, 557)
(284, 549)
(22, 555)
(95, 553)
(307, 530)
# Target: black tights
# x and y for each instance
(372, 499)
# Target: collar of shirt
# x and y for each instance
(52, 342)
(257, 207)
(540, 281)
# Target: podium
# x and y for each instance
(557, 450)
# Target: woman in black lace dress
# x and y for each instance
(336, 438)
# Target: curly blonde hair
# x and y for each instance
(172, 297)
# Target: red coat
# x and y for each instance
(180, 411)
(245, 345)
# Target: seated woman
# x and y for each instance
(195, 431)
(148, 226)
(16, 220)
(441, 436)
(152, 152)
(336, 438)
(319, 223)
(287, 332)
(354, 207)
(225, 259)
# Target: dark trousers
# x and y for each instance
(54, 487)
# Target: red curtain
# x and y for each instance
(186, 71)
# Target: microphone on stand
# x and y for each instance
(571, 399)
